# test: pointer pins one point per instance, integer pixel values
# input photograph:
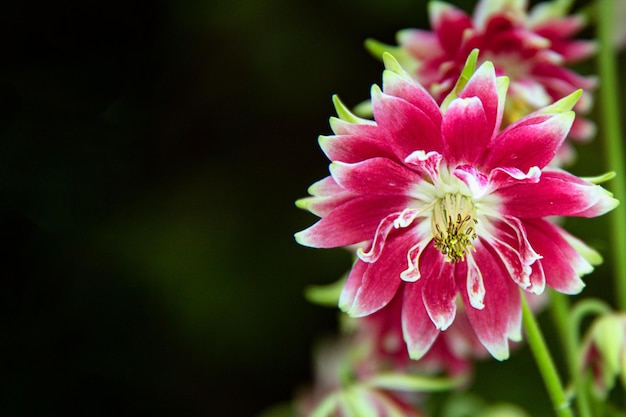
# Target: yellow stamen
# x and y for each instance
(453, 225)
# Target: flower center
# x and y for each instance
(453, 226)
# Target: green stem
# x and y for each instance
(569, 340)
(609, 118)
(544, 362)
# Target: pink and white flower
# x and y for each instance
(440, 199)
(532, 48)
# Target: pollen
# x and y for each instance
(453, 226)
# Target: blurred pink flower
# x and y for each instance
(532, 48)
(441, 199)
(346, 384)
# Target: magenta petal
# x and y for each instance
(500, 318)
(449, 24)
(417, 327)
(561, 263)
(342, 127)
(352, 222)
(407, 128)
(560, 28)
(380, 237)
(483, 85)
(419, 43)
(440, 290)
(325, 187)
(405, 88)
(321, 206)
(379, 176)
(353, 148)
(511, 258)
(352, 285)
(582, 130)
(382, 278)
(511, 230)
(531, 141)
(326, 195)
(465, 130)
(557, 193)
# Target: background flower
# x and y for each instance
(532, 47)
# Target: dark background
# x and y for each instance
(150, 154)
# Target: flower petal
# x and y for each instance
(483, 85)
(449, 23)
(419, 43)
(439, 293)
(326, 195)
(382, 278)
(397, 82)
(561, 263)
(352, 222)
(380, 176)
(352, 285)
(353, 148)
(406, 127)
(500, 318)
(465, 130)
(531, 141)
(417, 327)
(557, 193)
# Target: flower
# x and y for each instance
(349, 378)
(604, 352)
(337, 395)
(439, 198)
(530, 48)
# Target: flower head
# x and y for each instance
(529, 47)
(440, 199)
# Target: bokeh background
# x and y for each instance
(150, 154)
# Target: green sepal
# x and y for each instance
(325, 295)
(418, 383)
(466, 74)
(587, 252)
(357, 400)
(469, 405)
(377, 49)
(344, 113)
(392, 64)
(504, 410)
(327, 406)
(599, 179)
(364, 109)
(563, 105)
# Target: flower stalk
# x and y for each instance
(609, 117)
(568, 335)
(545, 363)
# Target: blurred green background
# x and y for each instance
(150, 154)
